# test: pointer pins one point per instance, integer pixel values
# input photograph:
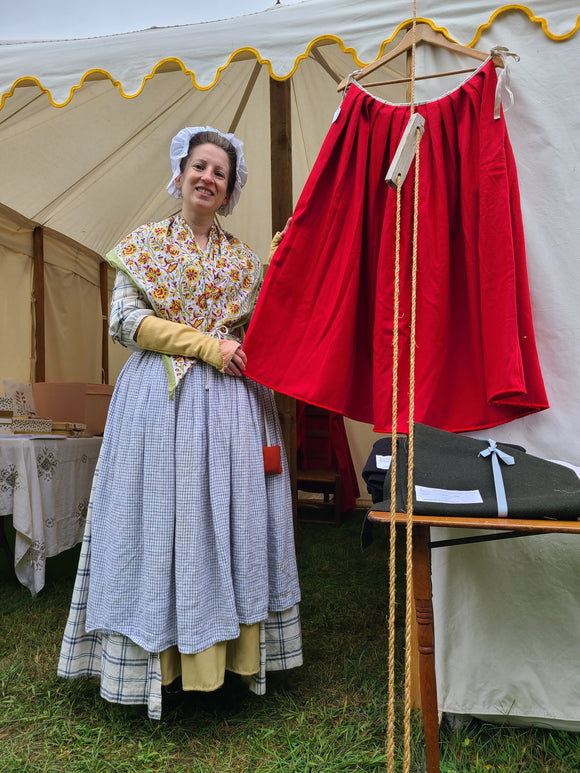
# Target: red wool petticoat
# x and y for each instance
(323, 326)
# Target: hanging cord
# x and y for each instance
(410, 468)
(410, 472)
(411, 448)
(393, 503)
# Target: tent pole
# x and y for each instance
(281, 197)
(38, 303)
(281, 152)
(104, 288)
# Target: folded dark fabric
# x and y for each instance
(376, 474)
(377, 467)
(458, 475)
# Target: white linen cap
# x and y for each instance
(180, 148)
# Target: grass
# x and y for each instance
(327, 717)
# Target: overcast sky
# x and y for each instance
(48, 19)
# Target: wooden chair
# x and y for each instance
(317, 466)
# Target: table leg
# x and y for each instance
(426, 643)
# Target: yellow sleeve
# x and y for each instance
(161, 335)
(277, 238)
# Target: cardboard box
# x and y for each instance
(74, 401)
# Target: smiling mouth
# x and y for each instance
(205, 191)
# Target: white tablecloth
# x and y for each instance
(45, 482)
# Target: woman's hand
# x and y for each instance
(277, 238)
(234, 357)
(285, 229)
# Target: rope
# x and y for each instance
(410, 468)
(393, 508)
(410, 472)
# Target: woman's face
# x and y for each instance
(204, 180)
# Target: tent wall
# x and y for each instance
(72, 308)
(16, 311)
(72, 314)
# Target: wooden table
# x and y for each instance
(422, 592)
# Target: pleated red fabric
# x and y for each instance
(322, 330)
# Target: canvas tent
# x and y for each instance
(84, 132)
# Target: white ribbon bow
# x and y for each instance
(503, 78)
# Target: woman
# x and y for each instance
(188, 566)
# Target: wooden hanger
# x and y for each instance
(424, 34)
